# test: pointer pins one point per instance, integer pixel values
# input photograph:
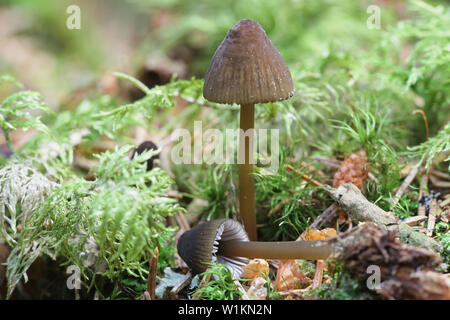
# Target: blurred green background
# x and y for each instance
(43, 53)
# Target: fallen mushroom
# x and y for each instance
(146, 146)
(225, 241)
(247, 69)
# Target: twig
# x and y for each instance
(329, 162)
(439, 183)
(324, 216)
(295, 292)
(180, 285)
(174, 194)
(241, 289)
(445, 202)
(203, 283)
(371, 176)
(434, 210)
(181, 221)
(412, 174)
(317, 281)
(412, 221)
(440, 174)
(358, 207)
(146, 296)
(304, 176)
(278, 207)
(153, 269)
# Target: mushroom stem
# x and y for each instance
(246, 183)
(308, 250)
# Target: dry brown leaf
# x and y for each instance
(314, 234)
(290, 276)
(255, 268)
(257, 290)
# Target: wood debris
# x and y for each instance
(406, 272)
(419, 285)
(359, 208)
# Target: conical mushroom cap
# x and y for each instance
(199, 245)
(246, 68)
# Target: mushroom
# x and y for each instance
(200, 245)
(225, 241)
(146, 146)
(247, 69)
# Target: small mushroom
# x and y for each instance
(199, 245)
(247, 69)
(146, 146)
(225, 241)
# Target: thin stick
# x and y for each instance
(304, 176)
(434, 210)
(329, 162)
(246, 183)
(440, 174)
(203, 283)
(412, 221)
(317, 281)
(181, 220)
(279, 206)
(241, 289)
(151, 281)
(439, 183)
(325, 216)
(180, 285)
(412, 174)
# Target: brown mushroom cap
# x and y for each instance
(201, 243)
(246, 68)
